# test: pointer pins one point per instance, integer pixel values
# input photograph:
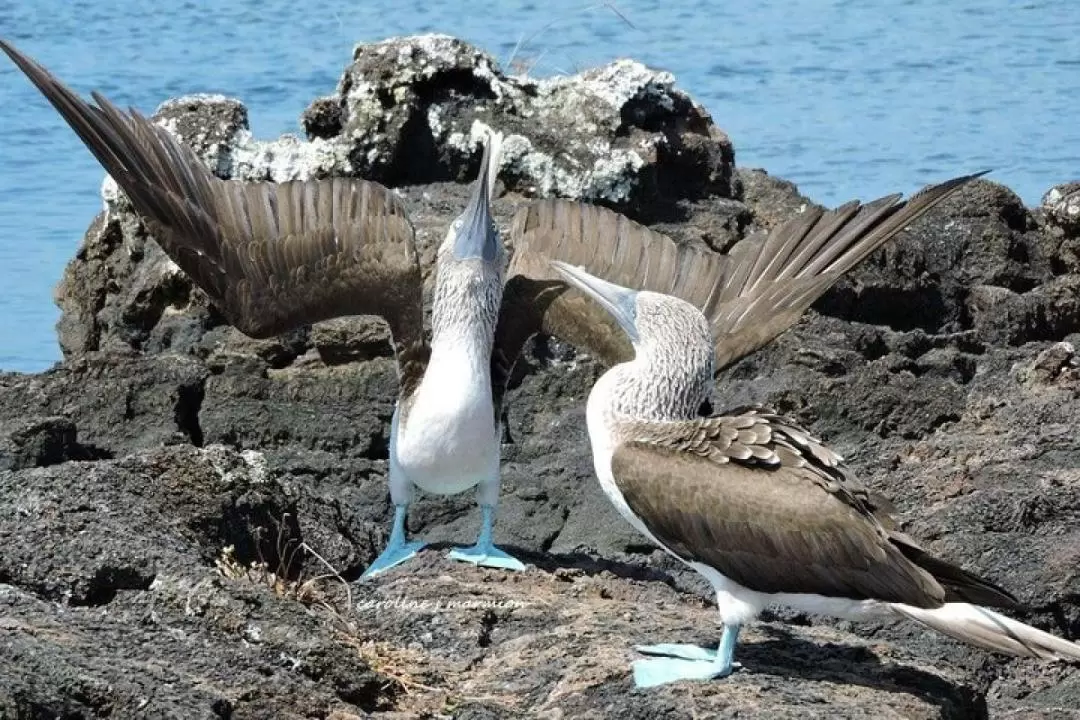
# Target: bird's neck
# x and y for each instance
(658, 387)
(465, 309)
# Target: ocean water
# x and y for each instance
(848, 98)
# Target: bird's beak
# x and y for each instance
(477, 236)
(619, 301)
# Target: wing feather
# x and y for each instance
(750, 295)
(759, 499)
(272, 257)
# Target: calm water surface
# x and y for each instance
(848, 98)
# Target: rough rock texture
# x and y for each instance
(1061, 211)
(141, 478)
(37, 441)
(620, 134)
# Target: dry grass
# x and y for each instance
(407, 671)
(400, 666)
(404, 668)
(309, 591)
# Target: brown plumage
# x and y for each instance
(750, 295)
(755, 496)
(271, 256)
(756, 504)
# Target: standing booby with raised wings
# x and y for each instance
(273, 257)
(762, 509)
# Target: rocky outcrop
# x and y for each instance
(176, 605)
(1060, 212)
(622, 134)
(182, 508)
(159, 620)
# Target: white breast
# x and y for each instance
(449, 442)
(602, 440)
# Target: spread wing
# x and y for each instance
(757, 498)
(774, 276)
(271, 256)
(750, 295)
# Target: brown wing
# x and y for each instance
(271, 256)
(773, 509)
(750, 295)
(607, 245)
(774, 276)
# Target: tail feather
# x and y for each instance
(960, 585)
(991, 631)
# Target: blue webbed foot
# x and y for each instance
(393, 555)
(686, 662)
(658, 671)
(397, 549)
(487, 555)
(484, 551)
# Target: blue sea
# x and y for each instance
(847, 98)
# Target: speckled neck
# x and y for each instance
(662, 386)
(468, 294)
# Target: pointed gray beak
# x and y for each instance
(619, 301)
(477, 236)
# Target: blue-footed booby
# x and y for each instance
(757, 505)
(273, 257)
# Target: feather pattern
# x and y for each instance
(271, 256)
(750, 295)
(765, 503)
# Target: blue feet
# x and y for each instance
(484, 551)
(393, 555)
(488, 556)
(686, 662)
(658, 671)
(397, 550)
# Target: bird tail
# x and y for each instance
(991, 631)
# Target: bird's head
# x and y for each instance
(654, 322)
(473, 234)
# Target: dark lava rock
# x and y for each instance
(37, 441)
(1060, 212)
(119, 403)
(210, 124)
(323, 118)
(184, 511)
(1062, 207)
(128, 589)
(773, 199)
(974, 257)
